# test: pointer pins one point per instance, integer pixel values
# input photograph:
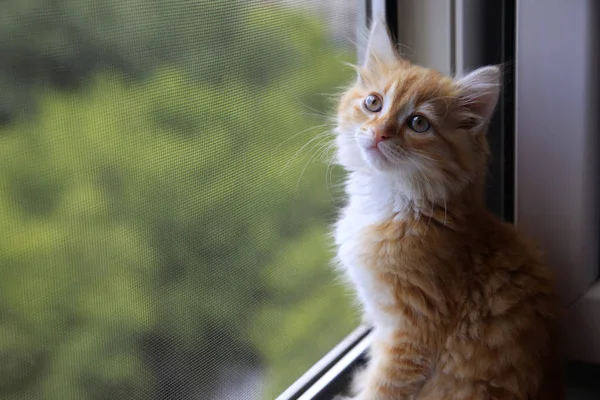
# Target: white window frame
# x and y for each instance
(557, 147)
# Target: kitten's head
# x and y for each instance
(413, 123)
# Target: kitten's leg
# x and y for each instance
(398, 367)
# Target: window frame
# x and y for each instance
(333, 372)
(557, 180)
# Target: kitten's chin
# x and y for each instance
(376, 159)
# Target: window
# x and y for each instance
(164, 197)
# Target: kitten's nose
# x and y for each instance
(379, 138)
(384, 133)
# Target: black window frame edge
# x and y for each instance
(498, 47)
(333, 373)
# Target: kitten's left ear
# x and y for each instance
(478, 93)
(380, 49)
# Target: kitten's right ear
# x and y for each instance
(380, 49)
(478, 94)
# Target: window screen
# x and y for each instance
(165, 198)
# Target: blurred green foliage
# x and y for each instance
(158, 226)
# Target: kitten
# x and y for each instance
(461, 305)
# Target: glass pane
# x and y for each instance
(165, 196)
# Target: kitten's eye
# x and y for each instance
(373, 103)
(419, 124)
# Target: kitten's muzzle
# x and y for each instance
(385, 132)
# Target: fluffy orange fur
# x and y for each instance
(462, 305)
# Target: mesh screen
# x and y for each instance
(163, 196)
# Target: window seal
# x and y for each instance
(330, 369)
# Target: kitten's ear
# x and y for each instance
(380, 48)
(478, 94)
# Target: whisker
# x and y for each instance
(319, 137)
(309, 129)
(329, 171)
(430, 212)
(423, 155)
(418, 183)
(443, 195)
(427, 184)
(317, 116)
(402, 53)
(311, 159)
(320, 113)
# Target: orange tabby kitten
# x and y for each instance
(461, 305)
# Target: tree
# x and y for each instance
(162, 230)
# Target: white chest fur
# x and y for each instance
(372, 201)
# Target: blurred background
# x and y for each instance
(166, 195)
(163, 230)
